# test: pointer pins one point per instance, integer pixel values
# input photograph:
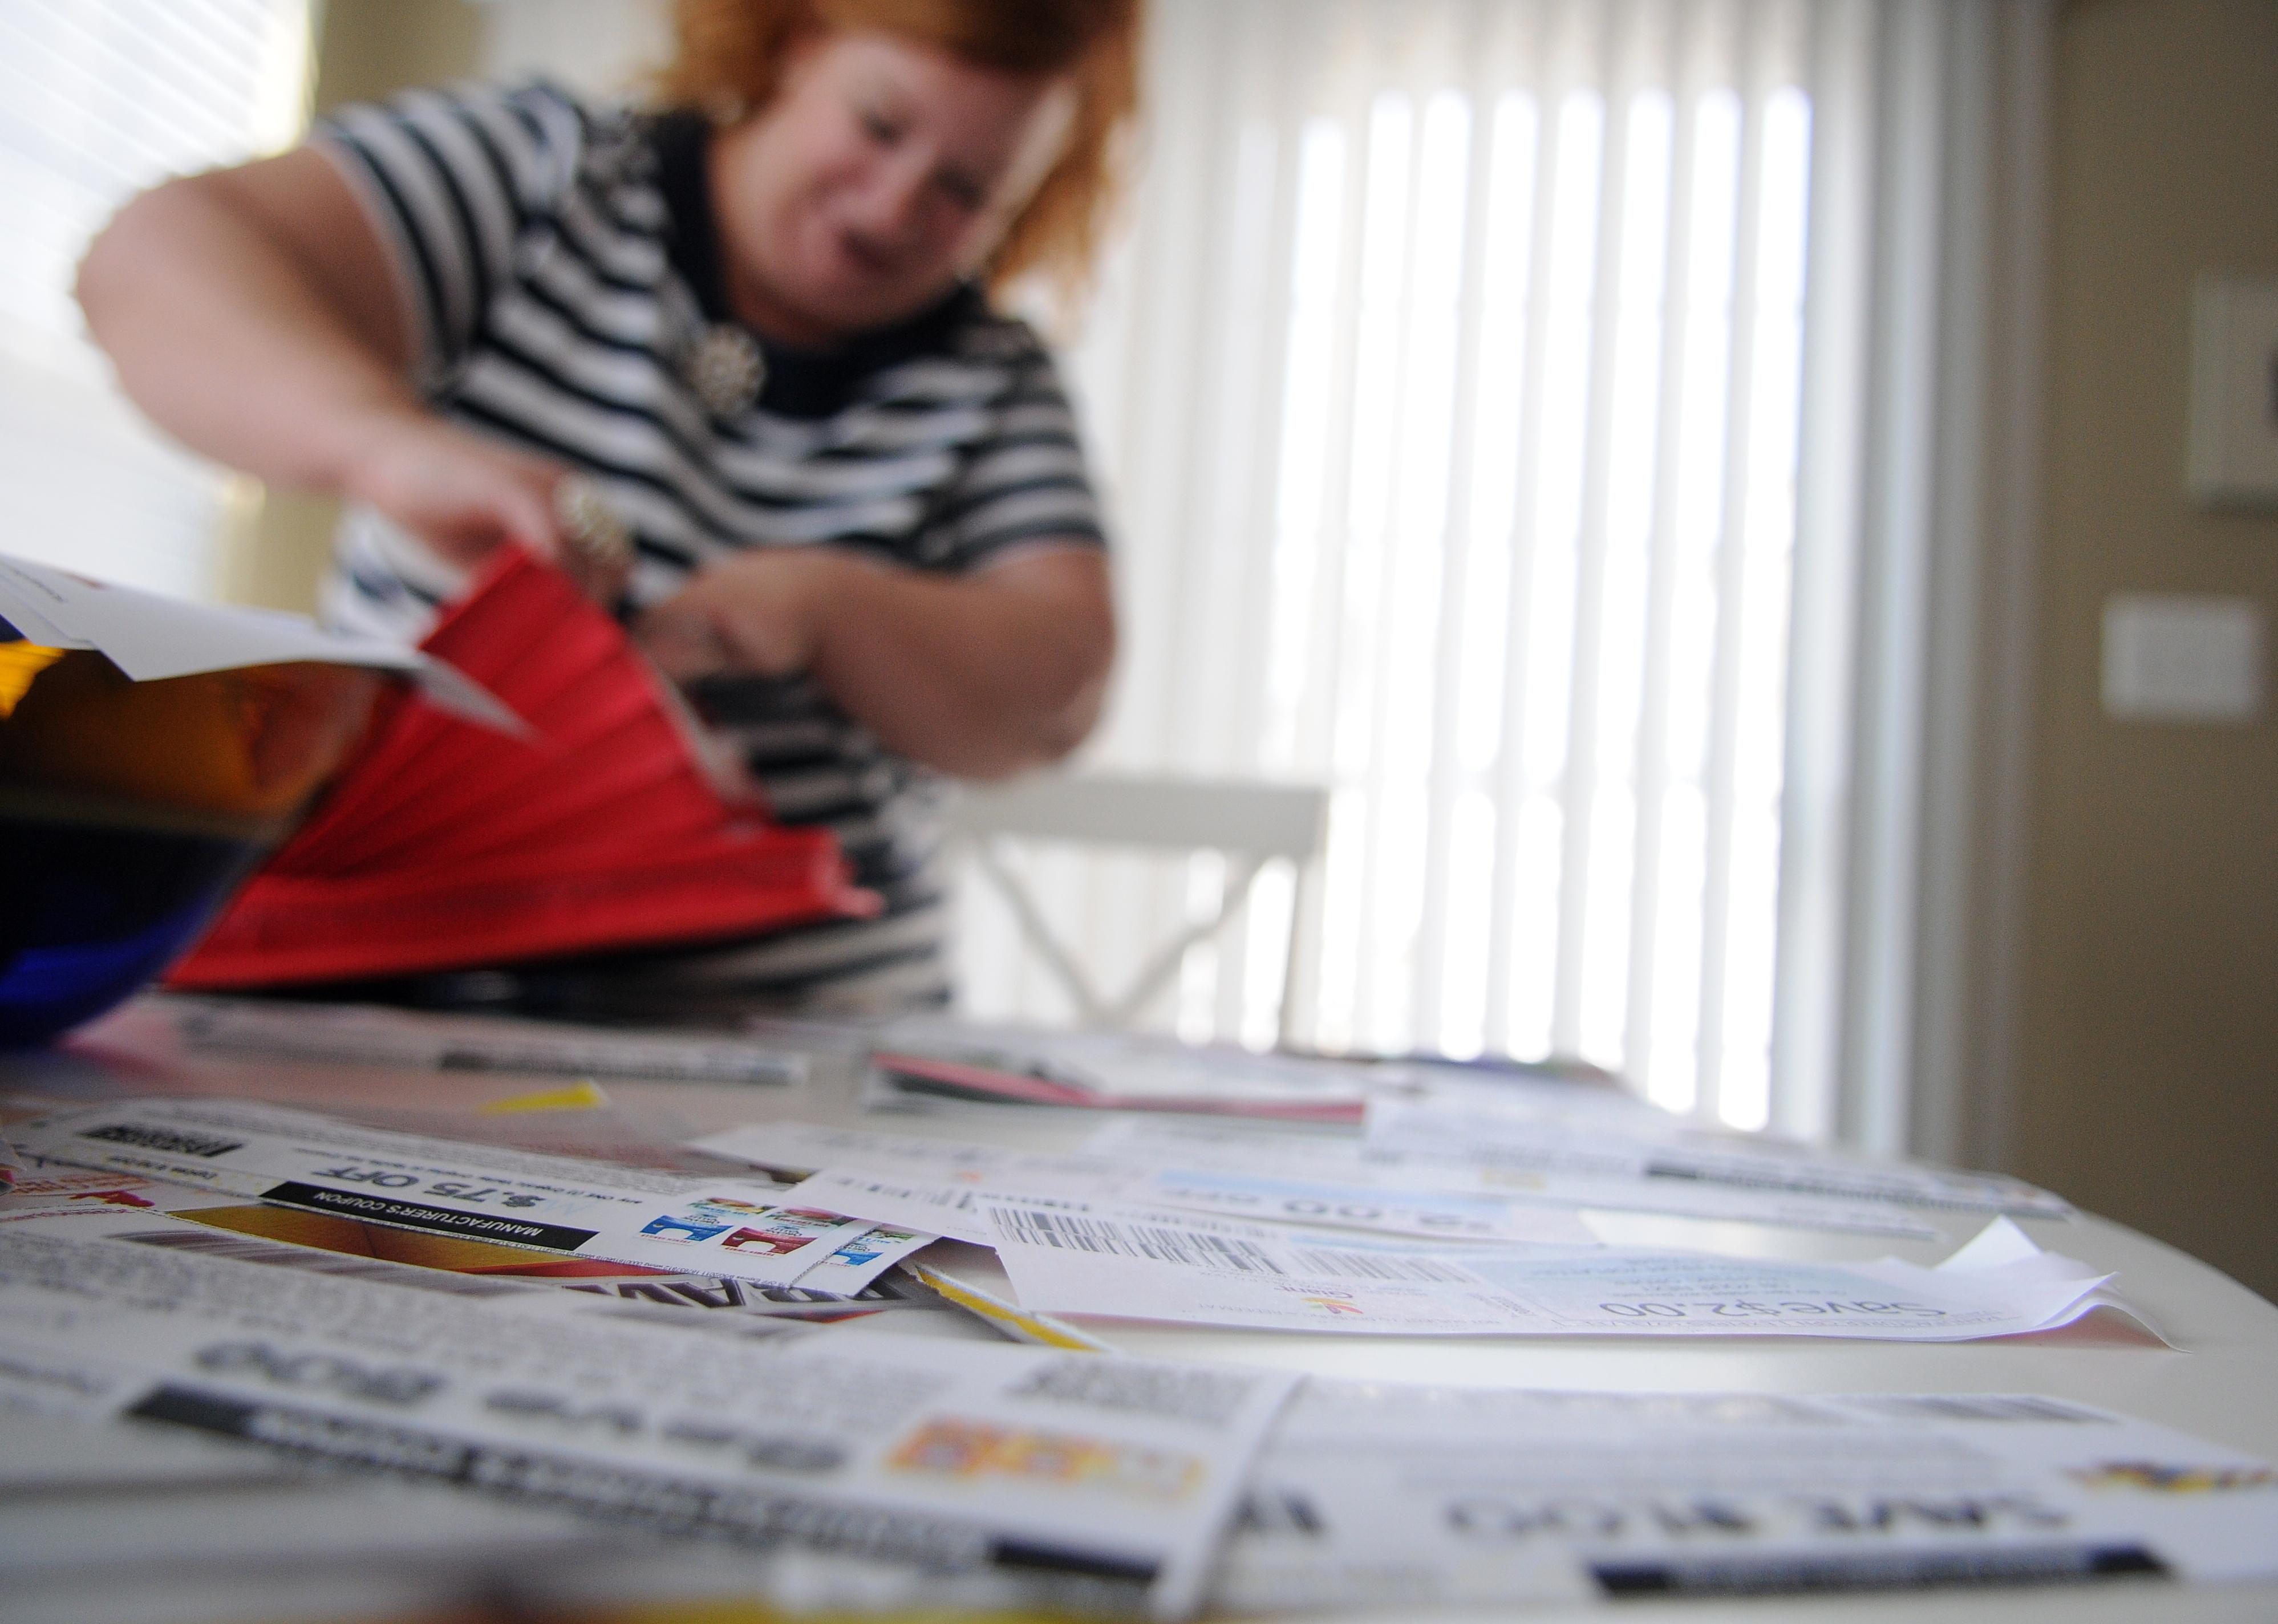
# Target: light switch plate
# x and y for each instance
(2234, 435)
(2177, 657)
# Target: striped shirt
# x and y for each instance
(562, 266)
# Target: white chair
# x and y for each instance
(1253, 824)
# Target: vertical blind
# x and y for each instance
(99, 99)
(1449, 394)
(1584, 436)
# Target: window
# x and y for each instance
(1450, 391)
(98, 99)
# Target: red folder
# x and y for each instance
(444, 845)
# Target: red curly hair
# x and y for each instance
(732, 52)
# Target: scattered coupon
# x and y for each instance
(1097, 1482)
(1376, 1495)
(1110, 1070)
(369, 1035)
(1446, 1168)
(861, 1258)
(565, 1205)
(1161, 1266)
(1472, 1123)
(903, 1177)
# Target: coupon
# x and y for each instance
(1160, 1266)
(1096, 1483)
(1406, 1498)
(563, 1205)
(945, 1184)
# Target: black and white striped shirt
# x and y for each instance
(562, 266)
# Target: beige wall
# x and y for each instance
(364, 48)
(2149, 1079)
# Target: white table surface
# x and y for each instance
(2218, 1379)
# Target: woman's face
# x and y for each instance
(883, 171)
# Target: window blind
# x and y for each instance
(1547, 423)
(98, 99)
(1449, 393)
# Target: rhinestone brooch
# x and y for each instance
(726, 370)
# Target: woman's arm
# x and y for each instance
(980, 675)
(254, 314)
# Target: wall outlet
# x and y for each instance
(2175, 657)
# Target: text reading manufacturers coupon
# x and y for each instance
(1094, 1479)
(565, 1205)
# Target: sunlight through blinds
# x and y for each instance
(1449, 394)
(99, 99)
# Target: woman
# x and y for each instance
(758, 322)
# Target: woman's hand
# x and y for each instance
(760, 613)
(980, 675)
(464, 496)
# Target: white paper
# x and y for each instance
(1131, 1068)
(1159, 1267)
(562, 1205)
(843, 1286)
(933, 1183)
(1471, 1124)
(149, 636)
(373, 1035)
(861, 1258)
(1411, 1498)
(125, 1520)
(179, 1232)
(51, 1188)
(1253, 1150)
(1084, 1470)
(1537, 1091)
(36, 1187)
(800, 1148)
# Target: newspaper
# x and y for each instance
(135, 1520)
(565, 1206)
(850, 1287)
(1445, 1171)
(1167, 1266)
(373, 1035)
(1108, 1070)
(945, 1186)
(1411, 1497)
(1473, 1124)
(1094, 1480)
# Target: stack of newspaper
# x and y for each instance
(573, 1381)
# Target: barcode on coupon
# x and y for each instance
(1978, 1406)
(1190, 1247)
(1379, 1266)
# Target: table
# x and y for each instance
(2219, 1380)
